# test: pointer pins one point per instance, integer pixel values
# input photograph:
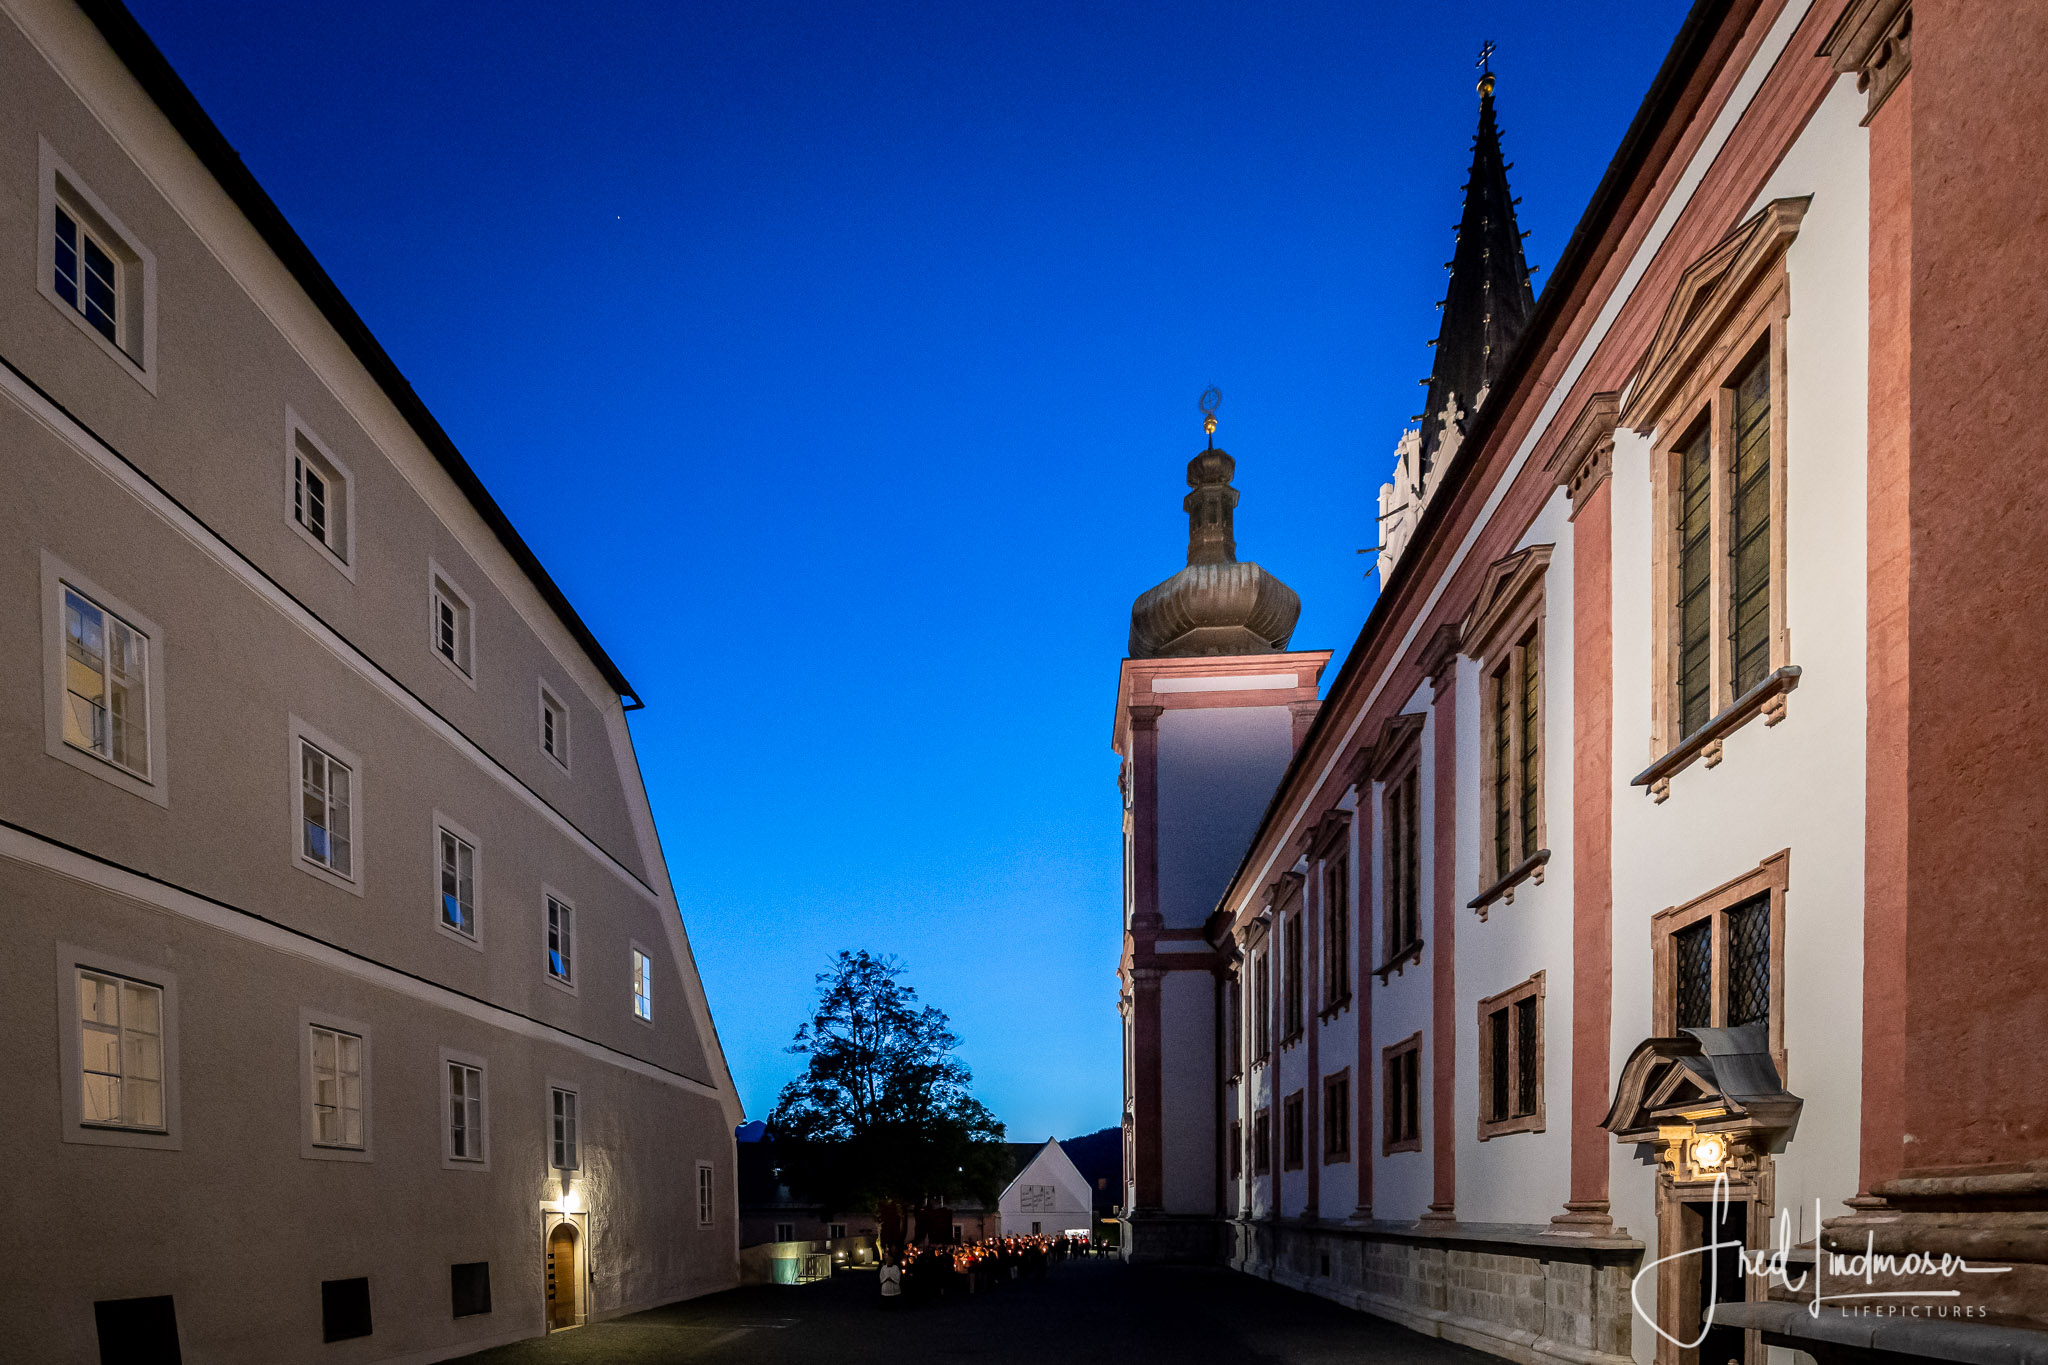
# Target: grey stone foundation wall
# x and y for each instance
(1517, 1292)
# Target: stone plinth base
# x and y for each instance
(1525, 1293)
(1171, 1239)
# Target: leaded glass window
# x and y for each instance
(1503, 772)
(1498, 1029)
(1749, 530)
(1525, 1055)
(1695, 584)
(1749, 962)
(1531, 727)
(1404, 866)
(1692, 953)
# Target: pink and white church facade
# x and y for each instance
(1455, 983)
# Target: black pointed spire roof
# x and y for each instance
(1487, 300)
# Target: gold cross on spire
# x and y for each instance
(1485, 65)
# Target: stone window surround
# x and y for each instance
(1733, 300)
(1337, 1118)
(1773, 874)
(1532, 1122)
(1390, 1143)
(1262, 1141)
(1289, 922)
(1396, 758)
(1506, 619)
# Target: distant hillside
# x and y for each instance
(1100, 1157)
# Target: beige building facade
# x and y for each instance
(351, 1013)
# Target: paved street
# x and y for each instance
(1101, 1310)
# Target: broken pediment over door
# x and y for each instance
(1708, 1102)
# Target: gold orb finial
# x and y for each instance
(1212, 397)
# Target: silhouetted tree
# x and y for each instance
(883, 1111)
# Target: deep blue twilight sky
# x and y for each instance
(841, 360)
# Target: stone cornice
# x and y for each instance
(1874, 39)
(1439, 657)
(1585, 455)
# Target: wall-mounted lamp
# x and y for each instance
(1709, 1153)
(572, 1198)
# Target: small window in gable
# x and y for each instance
(319, 494)
(554, 727)
(450, 629)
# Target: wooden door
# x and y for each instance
(562, 1281)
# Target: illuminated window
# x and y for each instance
(337, 1063)
(121, 1052)
(106, 685)
(643, 986)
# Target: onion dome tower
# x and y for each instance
(1216, 605)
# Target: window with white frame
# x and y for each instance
(88, 272)
(703, 1194)
(95, 271)
(326, 836)
(554, 728)
(320, 494)
(451, 626)
(561, 940)
(337, 1089)
(465, 1112)
(562, 1136)
(643, 986)
(106, 684)
(458, 882)
(121, 1052)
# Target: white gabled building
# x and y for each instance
(1049, 1196)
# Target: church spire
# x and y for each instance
(1487, 300)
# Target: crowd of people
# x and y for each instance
(918, 1273)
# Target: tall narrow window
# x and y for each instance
(1749, 529)
(1337, 930)
(88, 275)
(320, 494)
(1233, 1028)
(1337, 1117)
(1749, 962)
(337, 1060)
(703, 1194)
(1529, 768)
(1262, 1003)
(1404, 862)
(1262, 1142)
(458, 883)
(554, 728)
(451, 628)
(1293, 1148)
(1401, 1080)
(325, 823)
(643, 986)
(1695, 584)
(106, 682)
(563, 1135)
(1692, 952)
(561, 941)
(121, 1052)
(465, 1112)
(1291, 982)
(1498, 1032)
(1501, 722)
(1236, 1155)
